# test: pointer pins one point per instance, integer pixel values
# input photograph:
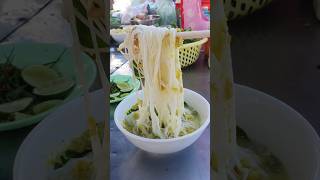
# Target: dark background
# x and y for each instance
(277, 50)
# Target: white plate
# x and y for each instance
(51, 134)
(269, 121)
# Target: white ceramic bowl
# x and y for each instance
(280, 128)
(118, 37)
(164, 146)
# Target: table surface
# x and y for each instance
(275, 50)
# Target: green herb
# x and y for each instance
(114, 88)
(77, 148)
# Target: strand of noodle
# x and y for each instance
(101, 173)
(225, 148)
(224, 125)
(180, 87)
(144, 37)
(157, 52)
(80, 71)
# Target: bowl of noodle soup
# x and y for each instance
(169, 145)
(285, 132)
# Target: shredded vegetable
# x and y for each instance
(190, 122)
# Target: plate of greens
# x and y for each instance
(35, 79)
(122, 86)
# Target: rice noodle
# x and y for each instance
(224, 128)
(163, 102)
(226, 153)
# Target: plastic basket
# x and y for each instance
(188, 54)
(237, 8)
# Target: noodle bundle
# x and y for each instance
(162, 106)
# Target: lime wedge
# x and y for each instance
(115, 99)
(39, 75)
(115, 94)
(15, 106)
(45, 106)
(54, 87)
(124, 95)
(124, 87)
(19, 115)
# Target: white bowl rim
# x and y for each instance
(140, 138)
(306, 122)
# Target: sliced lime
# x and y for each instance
(45, 106)
(15, 106)
(124, 87)
(115, 94)
(114, 99)
(54, 87)
(39, 75)
(124, 95)
(19, 115)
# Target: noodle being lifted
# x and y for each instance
(235, 156)
(162, 112)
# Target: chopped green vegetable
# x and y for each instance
(268, 164)
(12, 86)
(120, 89)
(190, 120)
(77, 148)
(114, 88)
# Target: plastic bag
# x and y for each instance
(167, 11)
(194, 17)
(137, 2)
(133, 11)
